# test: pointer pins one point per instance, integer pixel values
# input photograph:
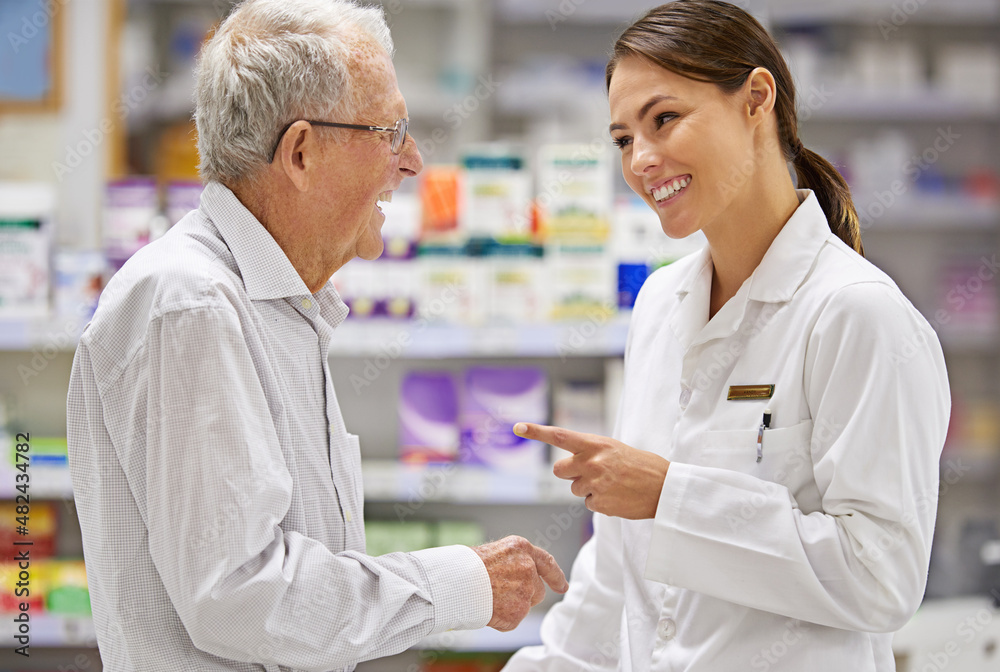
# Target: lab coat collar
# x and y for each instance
(780, 273)
(787, 260)
(792, 253)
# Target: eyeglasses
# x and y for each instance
(398, 132)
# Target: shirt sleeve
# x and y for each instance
(877, 391)
(217, 488)
(581, 632)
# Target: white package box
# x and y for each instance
(26, 228)
(581, 283)
(575, 192)
(495, 195)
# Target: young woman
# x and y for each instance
(769, 496)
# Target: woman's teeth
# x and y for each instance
(385, 197)
(670, 189)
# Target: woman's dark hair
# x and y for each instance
(719, 43)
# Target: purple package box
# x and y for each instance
(428, 417)
(493, 399)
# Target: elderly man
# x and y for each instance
(218, 489)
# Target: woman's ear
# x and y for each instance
(761, 93)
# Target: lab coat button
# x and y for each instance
(685, 397)
(666, 629)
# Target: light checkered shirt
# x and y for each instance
(218, 490)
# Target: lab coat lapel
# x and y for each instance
(690, 321)
(691, 313)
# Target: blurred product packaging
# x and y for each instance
(79, 279)
(575, 193)
(26, 232)
(428, 417)
(130, 208)
(579, 406)
(182, 198)
(495, 196)
(492, 400)
(438, 190)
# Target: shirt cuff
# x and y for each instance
(460, 587)
(668, 512)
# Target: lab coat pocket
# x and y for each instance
(785, 454)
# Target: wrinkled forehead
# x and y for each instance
(374, 88)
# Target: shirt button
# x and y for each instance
(307, 304)
(666, 629)
(347, 515)
(685, 397)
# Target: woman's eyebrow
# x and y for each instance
(644, 110)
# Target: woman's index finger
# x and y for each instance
(559, 437)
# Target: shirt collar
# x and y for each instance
(787, 261)
(267, 273)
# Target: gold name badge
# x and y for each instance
(744, 392)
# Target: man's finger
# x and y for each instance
(566, 439)
(549, 570)
(539, 594)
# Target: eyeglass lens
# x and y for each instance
(399, 137)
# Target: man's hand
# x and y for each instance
(613, 478)
(517, 569)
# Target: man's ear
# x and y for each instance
(761, 93)
(297, 154)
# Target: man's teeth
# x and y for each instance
(671, 188)
(385, 197)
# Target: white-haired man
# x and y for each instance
(218, 489)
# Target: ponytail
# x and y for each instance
(834, 196)
(717, 42)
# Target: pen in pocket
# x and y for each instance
(764, 424)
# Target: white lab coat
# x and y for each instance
(809, 560)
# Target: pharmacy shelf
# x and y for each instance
(420, 340)
(51, 630)
(776, 12)
(924, 106)
(408, 338)
(46, 334)
(893, 12)
(527, 633)
(918, 212)
(392, 481)
(48, 630)
(384, 481)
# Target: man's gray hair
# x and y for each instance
(272, 62)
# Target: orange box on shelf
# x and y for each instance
(439, 201)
